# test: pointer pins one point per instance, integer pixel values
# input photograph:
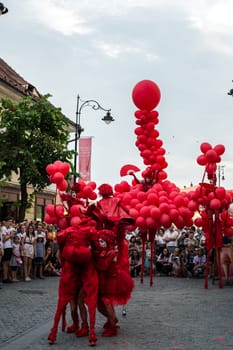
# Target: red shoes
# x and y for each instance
(107, 324)
(83, 331)
(110, 332)
(72, 329)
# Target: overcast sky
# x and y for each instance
(100, 49)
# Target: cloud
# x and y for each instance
(115, 50)
(59, 16)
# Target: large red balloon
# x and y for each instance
(146, 95)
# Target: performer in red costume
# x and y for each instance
(77, 248)
(115, 283)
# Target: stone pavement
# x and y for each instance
(174, 313)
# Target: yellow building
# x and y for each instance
(13, 86)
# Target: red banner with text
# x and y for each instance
(84, 155)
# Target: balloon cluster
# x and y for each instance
(58, 172)
(209, 197)
(162, 205)
(154, 201)
(73, 205)
(209, 158)
(146, 96)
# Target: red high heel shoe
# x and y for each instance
(83, 331)
(110, 332)
(92, 338)
(72, 329)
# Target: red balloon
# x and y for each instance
(219, 149)
(62, 186)
(155, 213)
(75, 221)
(75, 210)
(164, 208)
(50, 169)
(198, 222)
(49, 219)
(220, 192)
(146, 95)
(165, 220)
(140, 221)
(201, 160)
(150, 222)
(59, 209)
(92, 196)
(192, 205)
(145, 211)
(133, 212)
(50, 209)
(173, 213)
(211, 156)
(64, 168)
(215, 204)
(58, 177)
(205, 146)
(63, 223)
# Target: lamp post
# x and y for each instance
(3, 9)
(220, 174)
(79, 129)
(230, 92)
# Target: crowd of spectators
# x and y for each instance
(28, 250)
(179, 253)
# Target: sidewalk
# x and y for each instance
(174, 313)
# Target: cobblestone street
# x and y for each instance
(172, 314)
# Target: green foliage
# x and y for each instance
(32, 135)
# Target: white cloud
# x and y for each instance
(116, 50)
(214, 18)
(59, 16)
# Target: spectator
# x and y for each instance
(189, 260)
(135, 263)
(139, 244)
(147, 262)
(160, 243)
(51, 266)
(199, 263)
(16, 261)
(164, 262)
(40, 231)
(179, 264)
(132, 244)
(28, 245)
(7, 231)
(181, 239)
(38, 260)
(190, 240)
(170, 237)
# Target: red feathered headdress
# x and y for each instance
(105, 190)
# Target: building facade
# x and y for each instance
(13, 86)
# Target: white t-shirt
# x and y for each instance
(6, 232)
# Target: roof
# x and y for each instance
(10, 77)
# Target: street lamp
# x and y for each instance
(230, 93)
(3, 9)
(220, 174)
(79, 129)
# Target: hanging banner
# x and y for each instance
(85, 158)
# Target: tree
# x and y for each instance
(33, 134)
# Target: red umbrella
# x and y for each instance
(128, 169)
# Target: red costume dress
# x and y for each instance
(77, 247)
